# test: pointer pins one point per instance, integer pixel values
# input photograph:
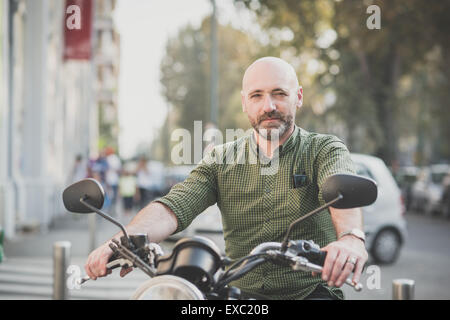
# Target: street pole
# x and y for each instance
(403, 289)
(214, 66)
(61, 261)
(92, 232)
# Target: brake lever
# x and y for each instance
(303, 264)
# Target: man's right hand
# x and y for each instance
(96, 263)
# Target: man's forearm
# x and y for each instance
(156, 220)
(346, 219)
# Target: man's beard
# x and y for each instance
(275, 131)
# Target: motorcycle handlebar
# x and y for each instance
(317, 257)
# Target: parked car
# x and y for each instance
(427, 192)
(175, 174)
(445, 201)
(405, 178)
(384, 222)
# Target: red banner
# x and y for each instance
(78, 21)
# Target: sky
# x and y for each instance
(144, 27)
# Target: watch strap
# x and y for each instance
(354, 232)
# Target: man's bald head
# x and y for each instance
(269, 66)
(270, 95)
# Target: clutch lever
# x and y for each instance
(130, 259)
(121, 262)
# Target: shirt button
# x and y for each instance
(267, 190)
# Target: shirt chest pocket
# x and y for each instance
(294, 203)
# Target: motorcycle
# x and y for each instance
(195, 269)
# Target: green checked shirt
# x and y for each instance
(258, 201)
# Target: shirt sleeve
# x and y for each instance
(333, 158)
(191, 197)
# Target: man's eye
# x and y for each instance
(281, 94)
(255, 96)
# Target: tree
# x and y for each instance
(186, 76)
(365, 68)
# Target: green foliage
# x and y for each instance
(186, 79)
(107, 124)
(391, 96)
(385, 92)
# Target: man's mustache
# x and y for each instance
(271, 116)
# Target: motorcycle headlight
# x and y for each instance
(195, 259)
(167, 287)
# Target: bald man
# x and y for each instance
(259, 207)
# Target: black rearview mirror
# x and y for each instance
(87, 196)
(89, 190)
(356, 191)
(341, 191)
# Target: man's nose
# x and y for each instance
(269, 105)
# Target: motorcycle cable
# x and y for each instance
(285, 242)
(136, 260)
(242, 270)
(241, 260)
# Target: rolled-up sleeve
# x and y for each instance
(191, 197)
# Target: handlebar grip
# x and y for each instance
(317, 257)
(321, 256)
(309, 250)
(113, 257)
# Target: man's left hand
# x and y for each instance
(344, 256)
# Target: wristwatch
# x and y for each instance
(354, 232)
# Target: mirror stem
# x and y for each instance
(104, 215)
(291, 226)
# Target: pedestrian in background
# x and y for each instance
(144, 182)
(127, 190)
(99, 167)
(112, 175)
(79, 170)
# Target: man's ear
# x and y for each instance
(300, 97)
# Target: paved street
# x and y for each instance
(425, 259)
(31, 278)
(27, 271)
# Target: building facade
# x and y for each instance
(48, 111)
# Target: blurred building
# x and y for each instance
(107, 61)
(49, 111)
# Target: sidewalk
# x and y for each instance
(27, 269)
(74, 228)
(70, 227)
